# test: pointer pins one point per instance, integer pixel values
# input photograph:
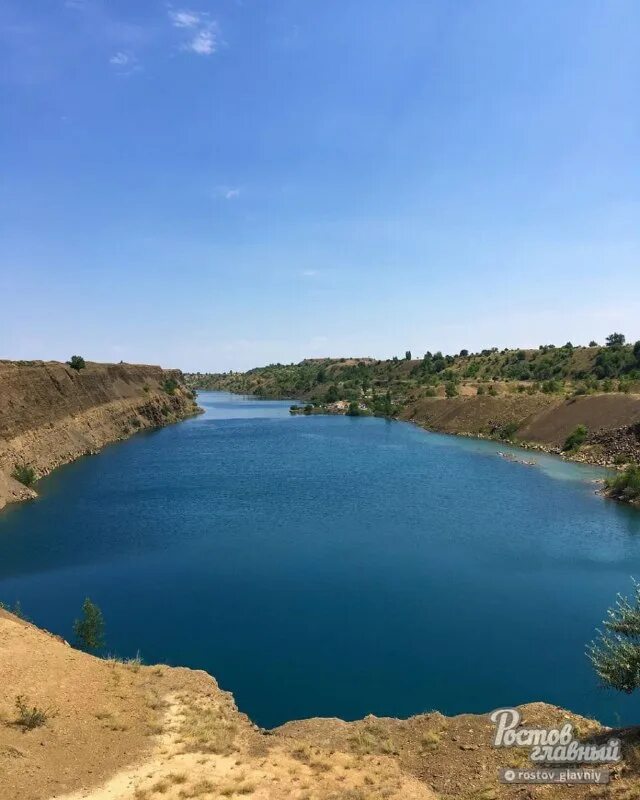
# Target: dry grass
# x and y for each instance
(207, 729)
(371, 739)
(430, 741)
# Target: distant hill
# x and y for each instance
(549, 369)
(536, 397)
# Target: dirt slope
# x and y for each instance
(598, 412)
(121, 731)
(546, 420)
(479, 414)
(51, 414)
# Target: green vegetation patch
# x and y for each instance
(24, 474)
(576, 439)
(625, 486)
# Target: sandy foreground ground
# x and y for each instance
(124, 731)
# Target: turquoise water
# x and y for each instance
(331, 565)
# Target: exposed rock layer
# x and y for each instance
(51, 414)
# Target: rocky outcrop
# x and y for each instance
(621, 445)
(51, 414)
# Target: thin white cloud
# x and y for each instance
(309, 273)
(227, 192)
(185, 19)
(205, 42)
(120, 59)
(76, 5)
(203, 32)
(124, 63)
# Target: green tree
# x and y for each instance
(450, 389)
(616, 340)
(77, 363)
(615, 655)
(407, 355)
(89, 629)
(636, 351)
(332, 394)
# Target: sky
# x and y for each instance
(229, 183)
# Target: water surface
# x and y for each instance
(331, 565)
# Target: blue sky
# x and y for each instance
(222, 184)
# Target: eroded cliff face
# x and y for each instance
(51, 414)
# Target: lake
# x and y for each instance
(332, 566)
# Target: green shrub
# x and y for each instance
(507, 431)
(616, 654)
(480, 390)
(625, 486)
(492, 391)
(77, 363)
(551, 387)
(451, 389)
(89, 629)
(353, 410)
(576, 439)
(24, 474)
(170, 385)
(30, 716)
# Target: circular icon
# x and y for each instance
(509, 775)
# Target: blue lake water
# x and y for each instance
(332, 566)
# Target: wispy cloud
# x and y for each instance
(227, 192)
(124, 63)
(184, 18)
(205, 42)
(309, 273)
(77, 5)
(204, 33)
(120, 59)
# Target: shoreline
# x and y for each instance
(51, 415)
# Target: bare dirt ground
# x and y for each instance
(597, 412)
(539, 420)
(122, 731)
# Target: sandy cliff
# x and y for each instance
(51, 414)
(121, 731)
